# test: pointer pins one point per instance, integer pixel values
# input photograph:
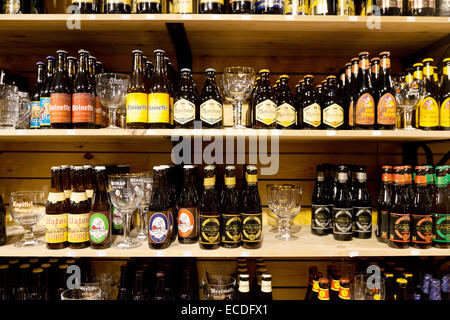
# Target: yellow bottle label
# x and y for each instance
(445, 113)
(78, 225)
(303, 7)
(266, 112)
(429, 113)
(56, 228)
(230, 181)
(251, 178)
(286, 115)
(346, 8)
(137, 107)
(183, 6)
(312, 115)
(409, 78)
(208, 182)
(333, 115)
(445, 71)
(158, 108)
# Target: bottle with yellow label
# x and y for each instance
(333, 111)
(417, 75)
(137, 104)
(264, 106)
(429, 106)
(210, 110)
(78, 218)
(444, 121)
(159, 95)
(310, 111)
(286, 112)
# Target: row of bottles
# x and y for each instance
(256, 288)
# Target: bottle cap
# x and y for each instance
(308, 76)
(45, 265)
(363, 53)
(72, 58)
(137, 51)
(348, 65)
(63, 266)
(427, 60)
(376, 59)
(83, 51)
(185, 70)
(384, 53)
(446, 60)
(24, 266)
(50, 58)
(38, 270)
(402, 280)
(100, 168)
(210, 70)
(284, 76)
(159, 51)
(4, 266)
(331, 77)
(264, 70)
(353, 60)
(62, 51)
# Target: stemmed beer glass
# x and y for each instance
(408, 96)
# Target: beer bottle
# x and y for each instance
(170, 192)
(244, 288)
(61, 285)
(46, 281)
(242, 6)
(445, 96)
(71, 71)
(211, 6)
(401, 292)
(345, 8)
(88, 181)
(4, 275)
(324, 291)
(56, 213)
(147, 6)
(387, 104)
(137, 97)
(441, 210)
(399, 217)
(83, 95)
(230, 211)
(184, 110)
(270, 7)
(315, 286)
(209, 211)
(159, 96)
(309, 290)
(21, 292)
(92, 66)
(389, 285)
(44, 97)
(252, 212)
(124, 293)
(158, 215)
(210, 111)
(310, 112)
(362, 206)
(35, 118)
(420, 8)
(429, 106)
(2, 222)
(36, 285)
(286, 113)
(426, 283)
(383, 204)
(352, 91)
(138, 292)
(78, 218)
(13, 276)
(264, 106)
(342, 209)
(100, 232)
(84, 6)
(421, 214)
(118, 6)
(335, 281)
(333, 111)
(344, 289)
(266, 288)
(323, 7)
(364, 103)
(319, 89)
(188, 224)
(321, 221)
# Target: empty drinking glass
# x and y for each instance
(11, 112)
(147, 181)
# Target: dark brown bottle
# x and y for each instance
(315, 287)
(286, 112)
(2, 222)
(137, 95)
(364, 101)
(61, 95)
(161, 292)
(211, 6)
(153, 6)
(444, 122)
(149, 68)
(351, 91)
(401, 292)
(384, 204)
(324, 289)
(310, 112)
(386, 111)
(138, 292)
(243, 293)
(71, 70)
(45, 99)
(362, 206)
(344, 289)
(84, 6)
(36, 285)
(333, 116)
(22, 290)
(169, 190)
(342, 209)
(230, 211)
(46, 280)
(65, 182)
(83, 100)
(334, 286)
(188, 212)
(309, 290)
(210, 110)
(78, 218)
(117, 6)
(187, 290)
(61, 286)
(263, 104)
(159, 106)
(251, 211)
(4, 283)
(441, 210)
(124, 293)
(399, 216)
(321, 218)
(375, 72)
(429, 107)
(56, 213)
(88, 180)
(100, 228)
(185, 108)
(266, 287)
(158, 215)
(421, 213)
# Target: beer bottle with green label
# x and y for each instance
(137, 97)
(441, 210)
(429, 106)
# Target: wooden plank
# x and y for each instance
(288, 293)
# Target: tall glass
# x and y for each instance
(408, 96)
(288, 203)
(147, 181)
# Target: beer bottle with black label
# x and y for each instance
(362, 206)
(242, 6)
(441, 210)
(210, 110)
(364, 102)
(148, 6)
(158, 215)
(83, 99)
(230, 211)
(78, 218)
(391, 7)
(137, 95)
(421, 8)
(209, 211)
(333, 106)
(118, 6)
(421, 214)
(429, 105)
(211, 6)
(321, 220)
(252, 211)
(310, 112)
(159, 106)
(286, 112)
(264, 106)
(187, 206)
(384, 203)
(342, 208)
(399, 216)
(100, 228)
(45, 97)
(444, 122)
(84, 6)
(387, 104)
(270, 6)
(35, 117)
(56, 212)
(71, 70)
(184, 110)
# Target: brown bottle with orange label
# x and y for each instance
(363, 101)
(387, 105)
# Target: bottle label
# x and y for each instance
(266, 112)
(117, 219)
(83, 108)
(324, 294)
(78, 227)
(183, 111)
(350, 114)
(400, 229)
(99, 228)
(312, 115)
(45, 112)
(315, 287)
(251, 178)
(335, 285)
(319, 7)
(441, 226)
(384, 224)
(422, 228)
(183, 6)
(211, 112)
(89, 193)
(333, 115)
(55, 197)
(61, 108)
(85, 1)
(266, 286)
(342, 221)
(365, 110)
(429, 113)
(158, 108)
(208, 182)
(209, 1)
(363, 219)
(78, 197)
(187, 222)
(137, 109)
(158, 227)
(344, 293)
(244, 286)
(230, 181)
(261, 4)
(98, 112)
(346, 8)
(321, 217)
(286, 115)
(56, 228)
(209, 229)
(445, 113)
(35, 118)
(127, 2)
(387, 110)
(251, 227)
(231, 228)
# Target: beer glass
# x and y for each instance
(27, 208)
(288, 203)
(87, 291)
(237, 85)
(10, 107)
(24, 109)
(219, 287)
(112, 92)
(269, 193)
(408, 96)
(147, 181)
(369, 287)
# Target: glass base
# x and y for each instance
(409, 129)
(276, 229)
(239, 126)
(141, 236)
(28, 243)
(111, 126)
(294, 229)
(286, 237)
(128, 244)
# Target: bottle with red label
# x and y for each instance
(324, 289)
(315, 286)
(364, 102)
(387, 104)
(310, 112)
(187, 206)
(61, 97)
(421, 213)
(399, 216)
(83, 99)
(344, 289)
(429, 105)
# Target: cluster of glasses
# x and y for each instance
(285, 202)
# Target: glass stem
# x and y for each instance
(408, 118)
(287, 227)
(127, 227)
(142, 215)
(237, 113)
(28, 235)
(112, 113)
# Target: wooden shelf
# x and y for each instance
(307, 245)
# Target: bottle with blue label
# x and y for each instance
(45, 99)
(270, 6)
(35, 119)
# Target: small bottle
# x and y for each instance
(252, 212)
(242, 6)
(364, 107)
(83, 100)
(210, 110)
(264, 104)
(137, 95)
(324, 289)
(266, 287)
(36, 285)
(159, 106)
(45, 95)
(188, 212)
(138, 292)
(185, 108)
(342, 209)
(230, 211)
(310, 111)
(35, 118)
(321, 219)
(78, 219)
(362, 206)
(383, 205)
(123, 294)
(344, 289)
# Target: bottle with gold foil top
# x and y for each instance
(56, 212)
(184, 110)
(230, 208)
(286, 112)
(264, 106)
(210, 110)
(137, 97)
(409, 75)
(429, 106)
(352, 90)
(364, 106)
(117, 6)
(84, 6)
(251, 211)
(159, 95)
(78, 218)
(211, 6)
(444, 122)
(417, 75)
(148, 6)
(345, 8)
(310, 112)
(333, 111)
(387, 104)
(61, 96)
